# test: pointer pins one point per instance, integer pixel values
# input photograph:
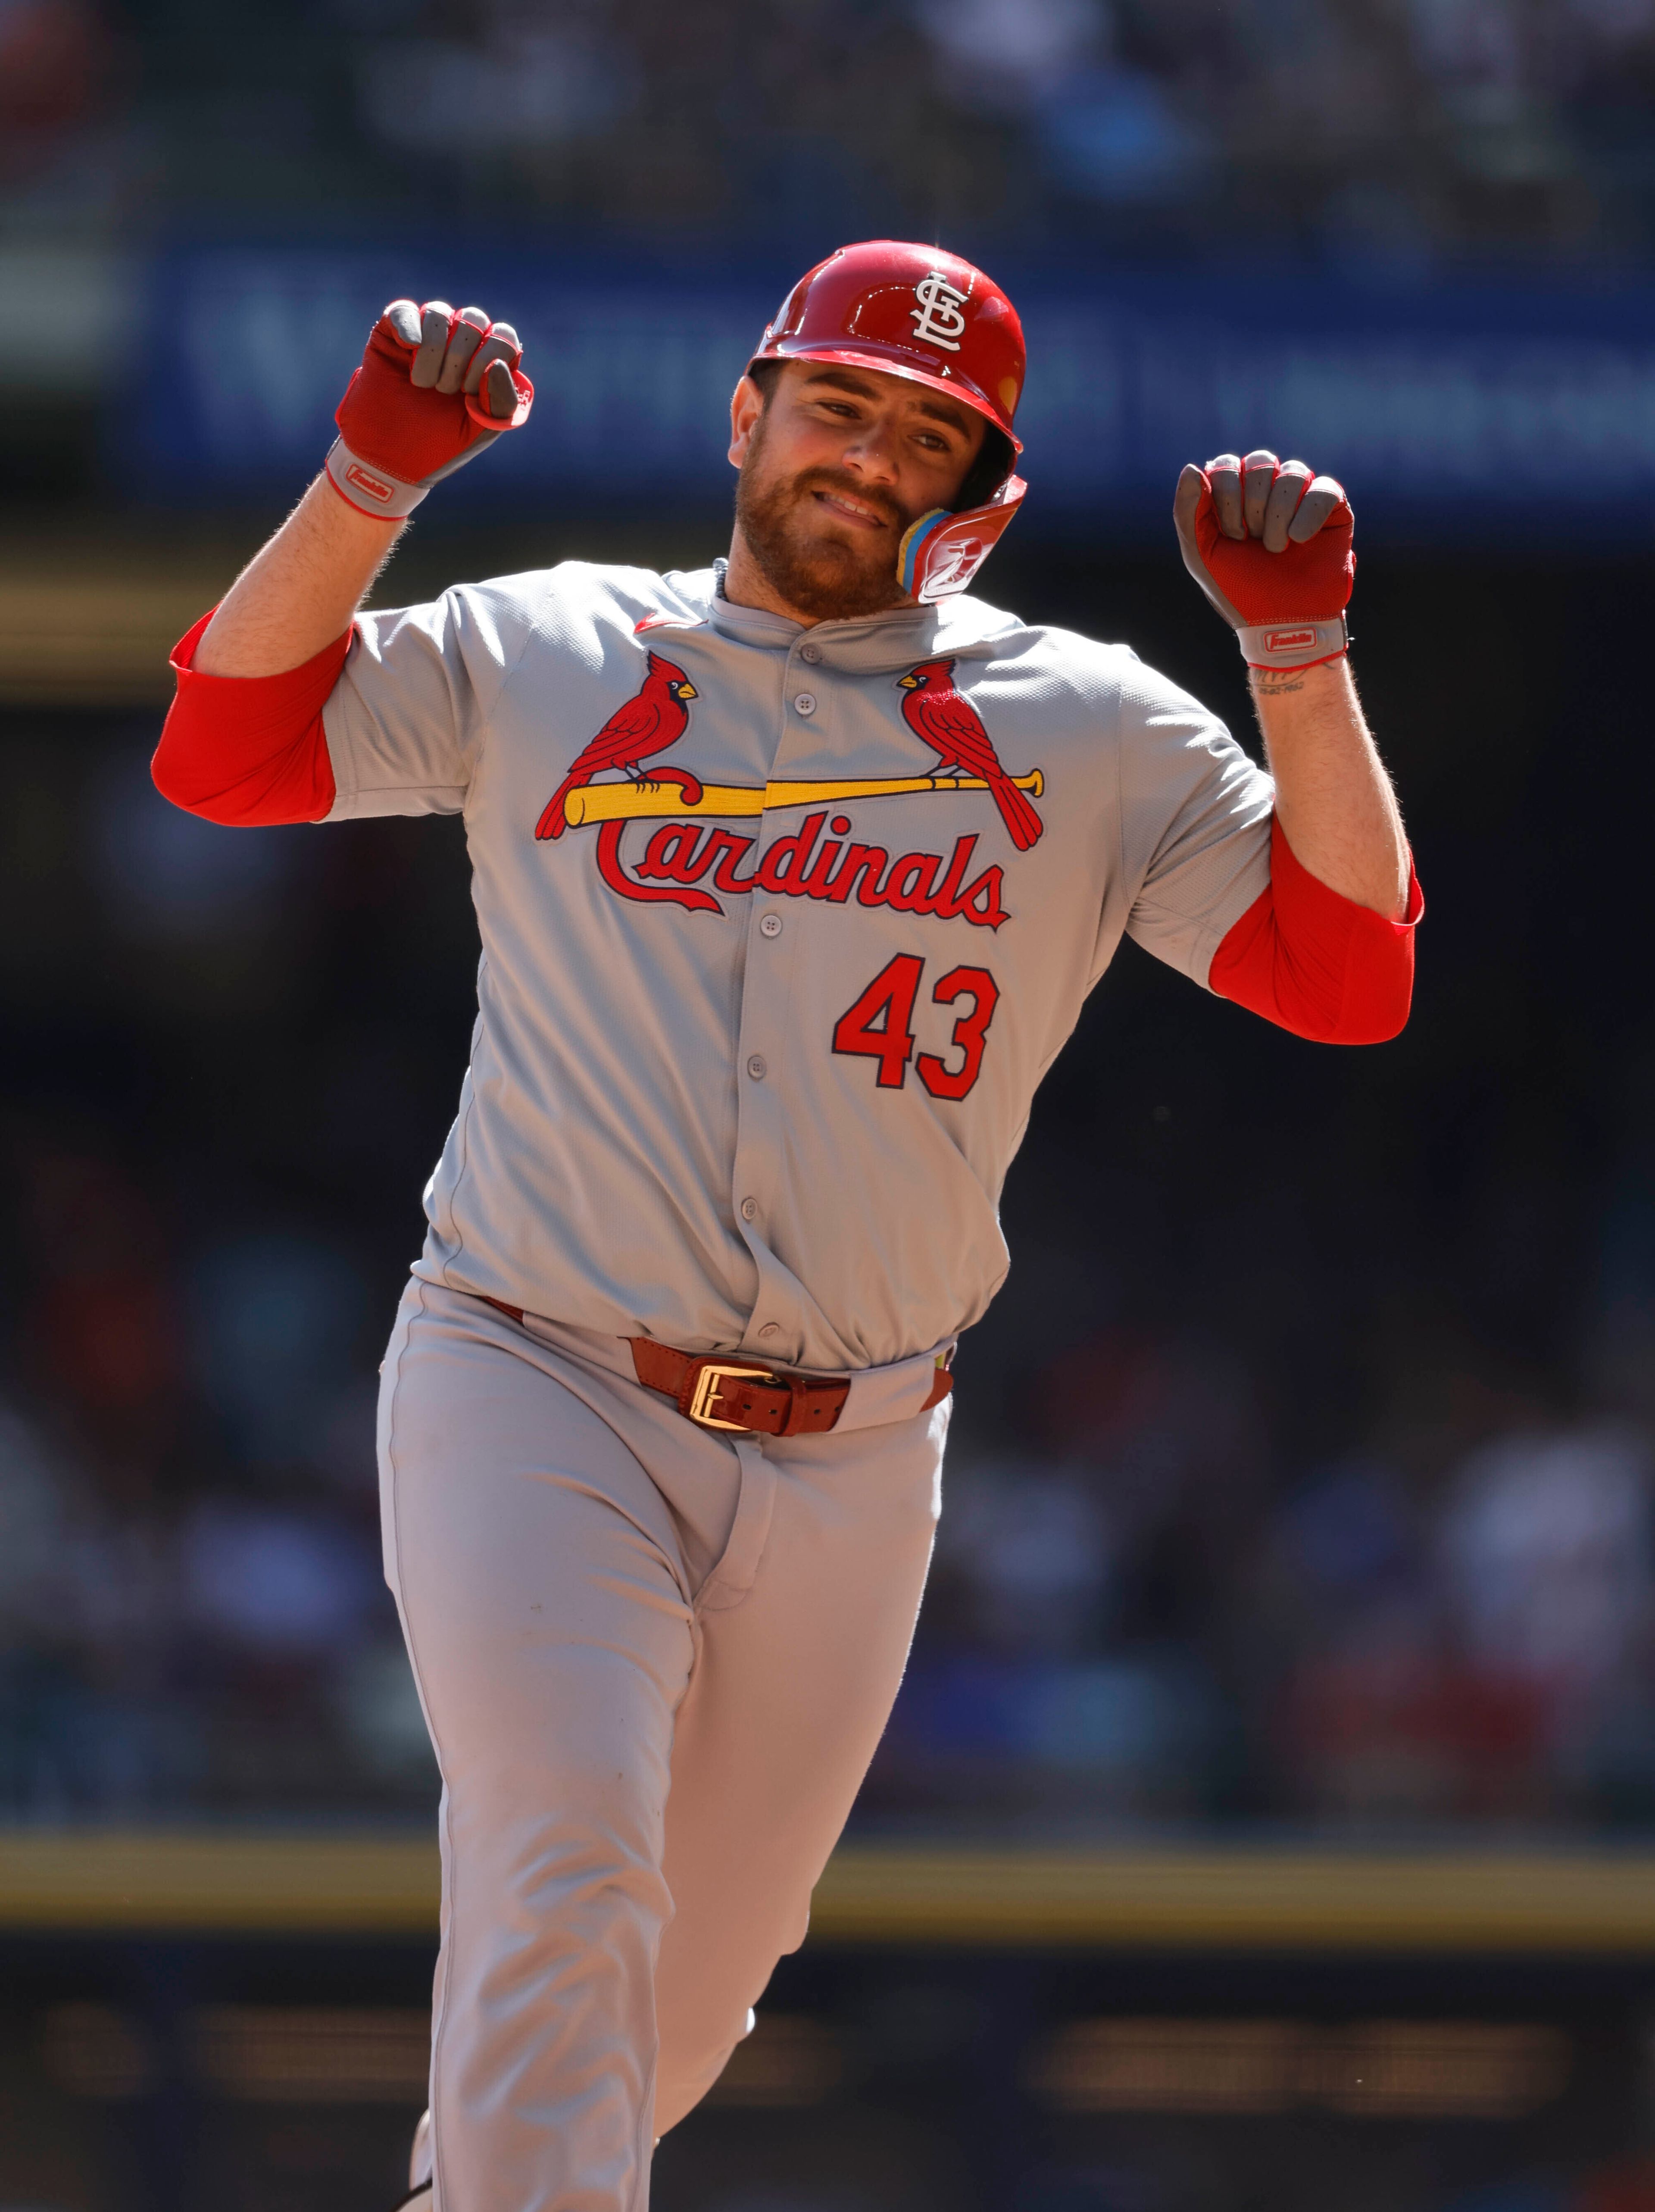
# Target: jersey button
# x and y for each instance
(771, 1328)
(810, 652)
(771, 926)
(805, 703)
(750, 1209)
(758, 1067)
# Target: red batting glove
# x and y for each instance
(1270, 546)
(435, 387)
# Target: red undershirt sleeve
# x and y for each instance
(248, 751)
(1319, 963)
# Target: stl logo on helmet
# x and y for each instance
(938, 319)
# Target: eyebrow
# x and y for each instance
(939, 410)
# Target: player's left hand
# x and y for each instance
(1270, 544)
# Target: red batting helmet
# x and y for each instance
(918, 313)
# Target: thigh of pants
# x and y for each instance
(654, 1664)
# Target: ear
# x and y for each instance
(746, 407)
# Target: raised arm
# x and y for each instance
(1270, 546)
(434, 389)
(244, 743)
(1333, 799)
(1328, 949)
(300, 591)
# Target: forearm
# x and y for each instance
(300, 593)
(1333, 798)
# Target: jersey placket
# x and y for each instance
(768, 1045)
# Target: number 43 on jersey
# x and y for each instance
(879, 1026)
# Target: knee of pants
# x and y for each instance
(580, 1823)
(566, 1826)
(529, 1892)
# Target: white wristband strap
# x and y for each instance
(1294, 645)
(370, 490)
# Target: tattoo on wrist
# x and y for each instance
(1271, 682)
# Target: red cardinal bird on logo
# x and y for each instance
(951, 726)
(648, 724)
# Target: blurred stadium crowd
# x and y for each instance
(1250, 1520)
(1241, 1527)
(1395, 126)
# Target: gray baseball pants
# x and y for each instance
(655, 1661)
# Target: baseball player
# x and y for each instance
(792, 875)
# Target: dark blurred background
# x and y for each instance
(1302, 1479)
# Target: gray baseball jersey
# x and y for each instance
(781, 926)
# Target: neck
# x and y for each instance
(747, 586)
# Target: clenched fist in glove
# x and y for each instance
(1269, 544)
(435, 387)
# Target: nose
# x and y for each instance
(871, 453)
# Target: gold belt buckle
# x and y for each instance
(710, 1382)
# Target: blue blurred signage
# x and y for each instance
(1454, 410)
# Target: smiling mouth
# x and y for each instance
(852, 510)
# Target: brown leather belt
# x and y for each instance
(717, 1392)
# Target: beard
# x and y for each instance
(825, 576)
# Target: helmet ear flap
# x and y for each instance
(996, 457)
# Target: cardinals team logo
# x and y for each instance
(645, 726)
(618, 779)
(937, 319)
(954, 729)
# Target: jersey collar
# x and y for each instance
(869, 644)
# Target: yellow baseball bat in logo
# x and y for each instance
(635, 802)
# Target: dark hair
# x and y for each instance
(767, 374)
(993, 464)
(982, 479)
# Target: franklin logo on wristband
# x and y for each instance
(372, 487)
(1289, 641)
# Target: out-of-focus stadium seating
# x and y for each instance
(1267, 1816)
(1302, 1475)
(1415, 1586)
(1397, 125)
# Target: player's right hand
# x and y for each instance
(434, 388)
